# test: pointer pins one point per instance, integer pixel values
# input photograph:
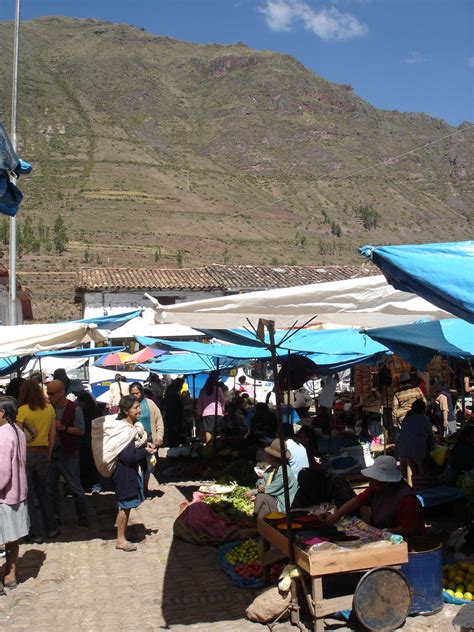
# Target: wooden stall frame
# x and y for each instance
(328, 563)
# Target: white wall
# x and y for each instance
(5, 311)
(113, 302)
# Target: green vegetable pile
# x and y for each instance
(234, 506)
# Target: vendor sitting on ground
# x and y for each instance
(269, 494)
(393, 504)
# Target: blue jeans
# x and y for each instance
(68, 466)
(37, 478)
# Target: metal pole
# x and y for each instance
(13, 320)
(288, 391)
(216, 403)
(281, 437)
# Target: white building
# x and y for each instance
(105, 291)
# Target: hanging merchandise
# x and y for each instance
(10, 167)
(10, 196)
(8, 158)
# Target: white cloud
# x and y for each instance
(326, 23)
(470, 61)
(415, 57)
(278, 15)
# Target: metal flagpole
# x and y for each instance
(13, 320)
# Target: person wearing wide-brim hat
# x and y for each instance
(269, 494)
(393, 504)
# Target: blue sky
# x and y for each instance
(407, 55)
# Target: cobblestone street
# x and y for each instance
(81, 582)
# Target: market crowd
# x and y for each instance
(49, 434)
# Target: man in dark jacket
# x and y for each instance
(65, 457)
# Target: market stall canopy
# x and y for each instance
(332, 350)
(145, 355)
(187, 363)
(419, 342)
(117, 358)
(21, 340)
(112, 321)
(12, 365)
(360, 302)
(217, 350)
(84, 352)
(139, 327)
(443, 274)
(336, 342)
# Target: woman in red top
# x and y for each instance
(393, 504)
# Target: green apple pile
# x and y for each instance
(247, 553)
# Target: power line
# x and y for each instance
(382, 163)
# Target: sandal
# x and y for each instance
(126, 547)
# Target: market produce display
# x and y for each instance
(234, 506)
(249, 552)
(458, 580)
(243, 563)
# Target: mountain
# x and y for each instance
(158, 152)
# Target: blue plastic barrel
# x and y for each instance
(423, 572)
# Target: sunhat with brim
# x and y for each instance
(384, 470)
(274, 450)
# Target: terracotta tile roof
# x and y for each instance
(214, 277)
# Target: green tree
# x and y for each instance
(46, 241)
(28, 234)
(87, 255)
(368, 215)
(20, 244)
(60, 238)
(226, 256)
(4, 231)
(179, 259)
(157, 254)
(336, 229)
(41, 230)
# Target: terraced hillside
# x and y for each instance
(162, 153)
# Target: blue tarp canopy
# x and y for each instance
(88, 352)
(419, 342)
(214, 349)
(188, 363)
(11, 365)
(112, 321)
(332, 350)
(443, 274)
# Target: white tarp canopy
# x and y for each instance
(21, 340)
(360, 302)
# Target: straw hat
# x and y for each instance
(274, 449)
(384, 469)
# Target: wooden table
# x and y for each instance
(324, 563)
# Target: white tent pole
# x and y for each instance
(13, 320)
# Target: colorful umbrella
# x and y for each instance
(144, 355)
(113, 359)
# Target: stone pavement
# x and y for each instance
(81, 582)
